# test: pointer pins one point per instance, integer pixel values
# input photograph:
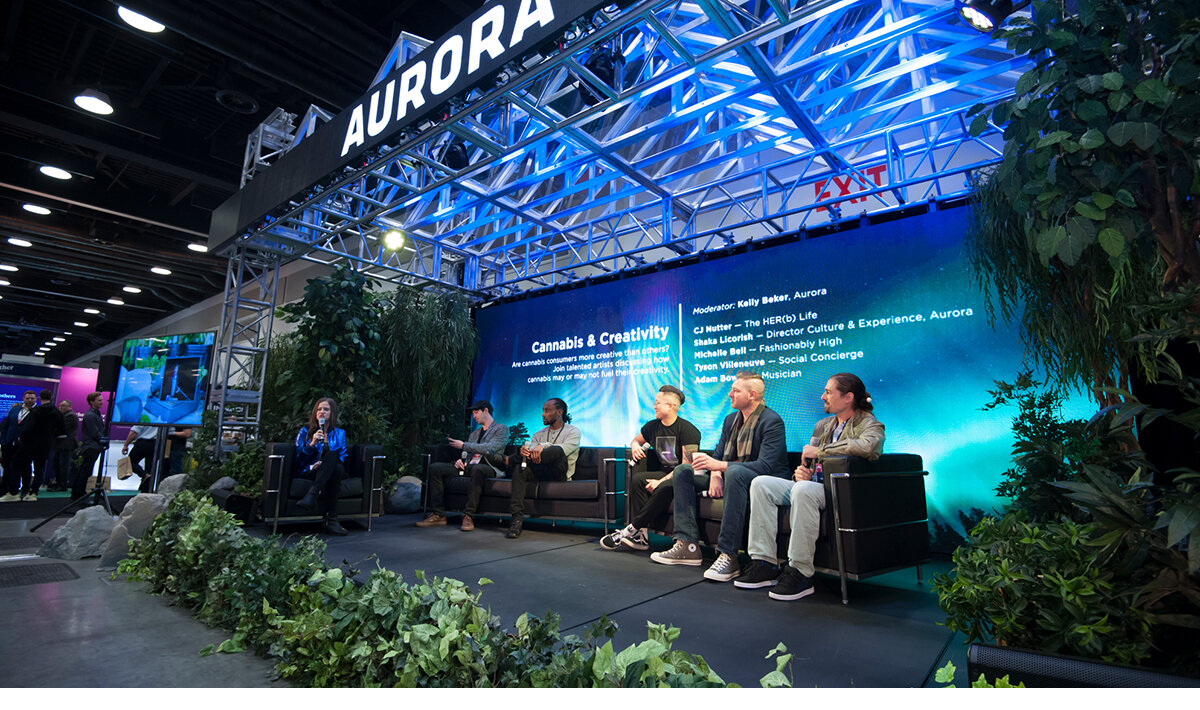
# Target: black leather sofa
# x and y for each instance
(875, 519)
(360, 495)
(588, 496)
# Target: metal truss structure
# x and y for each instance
(663, 129)
(247, 317)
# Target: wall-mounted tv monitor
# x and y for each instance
(164, 380)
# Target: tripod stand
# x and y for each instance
(99, 495)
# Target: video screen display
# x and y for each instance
(893, 303)
(13, 392)
(164, 380)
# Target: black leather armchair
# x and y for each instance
(360, 495)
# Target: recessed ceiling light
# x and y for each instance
(18, 242)
(81, 324)
(116, 301)
(198, 247)
(139, 21)
(131, 289)
(55, 172)
(49, 343)
(67, 332)
(94, 101)
(5, 282)
(160, 271)
(36, 209)
(57, 339)
(8, 267)
(93, 311)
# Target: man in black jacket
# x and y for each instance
(91, 445)
(43, 425)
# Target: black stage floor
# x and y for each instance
(95, 632)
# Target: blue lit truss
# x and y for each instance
(727, 121)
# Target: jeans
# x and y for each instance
(736, 482)
(806, 500)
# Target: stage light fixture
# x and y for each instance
(986, 15)
(394, 239)
(94, 101)
(456, 157)
(602, 63)
(55, 172)
(139, 21)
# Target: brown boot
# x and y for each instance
(434, 520)
(467, 524)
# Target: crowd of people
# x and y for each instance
(748, 469)
(53, 448)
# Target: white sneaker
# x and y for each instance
(637, 541)
(724, 569)
(10, 498)
(31, 498)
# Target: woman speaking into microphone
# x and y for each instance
(321, 457)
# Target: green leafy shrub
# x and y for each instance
(1048, 587)
(327, 630)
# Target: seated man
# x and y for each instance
(851, 431)
(753, 443)
(549, 455)
(666, 436)
(481, 444)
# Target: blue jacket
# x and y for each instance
(307, 455)
(10, 428)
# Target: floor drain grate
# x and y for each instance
(25, 542)
(21, 575)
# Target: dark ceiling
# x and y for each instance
(147, 177)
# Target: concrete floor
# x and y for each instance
(886, 637)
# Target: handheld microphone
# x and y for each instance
(647, 446)
(321, 423)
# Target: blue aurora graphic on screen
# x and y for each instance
(893, 303)
(164, 380)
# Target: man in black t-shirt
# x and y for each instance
(664, 442)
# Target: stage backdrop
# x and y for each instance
(893, 303)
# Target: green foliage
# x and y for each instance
(1048, 448)
(326, 630)
(945, 675)
(1048, 587)
(783, 661)
(201, 460)
(517, 434)
(338, 325)
(1093, 206)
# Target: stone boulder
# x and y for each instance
(84, 535)
(224, 483)
(405, 496)
(171, 485)
(132, 523)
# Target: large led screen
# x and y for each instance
(893, 303)
(164, 380)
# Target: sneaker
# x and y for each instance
(638, 541)
(333, 527)
(514, 529)
(612, 541)
(10, 498)
(724, 569)
(681, 553)
(761, 574)
(792, 585)
(31, 498)
(468, 524)
(432, 521)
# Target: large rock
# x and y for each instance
(82, 536)
(224, 483)
(171, 485)
(135, 518)
(405, 496)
